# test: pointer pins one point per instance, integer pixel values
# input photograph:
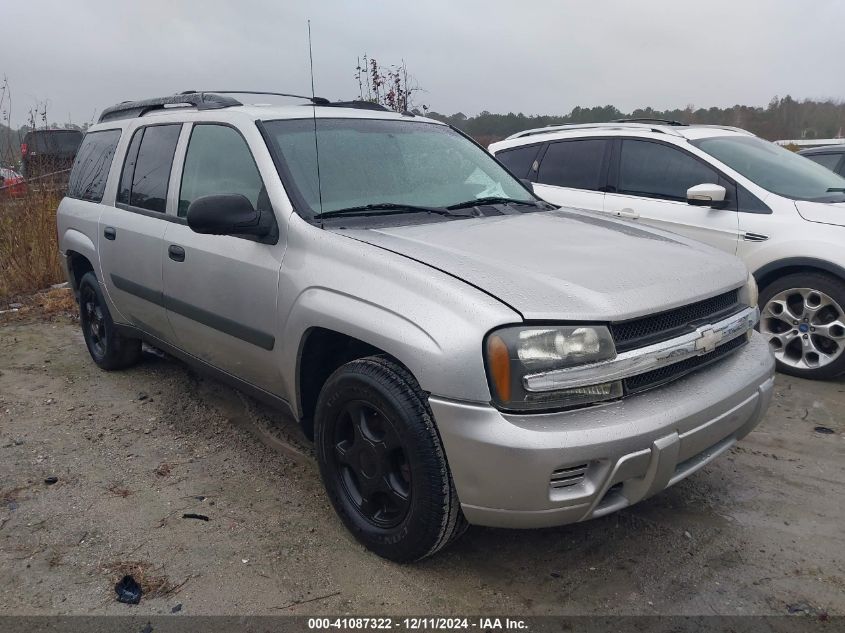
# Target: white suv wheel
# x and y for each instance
(805, 328)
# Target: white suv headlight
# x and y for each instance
(750, 294)
(512, 353)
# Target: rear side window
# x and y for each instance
(219, 162)
(575, 164)
(146, 168)
(91, 168)
(520, 160)
(826, 160)
(658, 171)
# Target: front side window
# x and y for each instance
(219, 162)
(775, 169)
(91, 168)
(376, 161)
(654, 170)
(574, 164)
(146, 168)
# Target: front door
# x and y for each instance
(220, 290)
(651, 185)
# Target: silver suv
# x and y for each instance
(460, 351)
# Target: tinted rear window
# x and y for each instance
(91, 167)
(58, 141)
(520, 160)
(146, 169)
(575, 164)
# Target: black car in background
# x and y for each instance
(47, 155)
(831, 156)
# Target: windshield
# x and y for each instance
(775, 169)
(376, 162)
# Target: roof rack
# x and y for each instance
(358, 105)
(200, 100)
(215, 100)
(651, 120)
(613, 125)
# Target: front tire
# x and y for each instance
(382, 461)
(803, 317)
(109, 349)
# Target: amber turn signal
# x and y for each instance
(500, 367)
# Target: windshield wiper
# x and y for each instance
(491, 200)
(364, 209)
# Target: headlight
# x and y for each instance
(513, 353)
(750, 293)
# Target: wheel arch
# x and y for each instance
(77, 265)
(322, 351)
(787, 266)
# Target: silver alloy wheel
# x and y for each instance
(805, 328)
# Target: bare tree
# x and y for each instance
(391, 86)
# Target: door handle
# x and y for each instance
(109, 233)
(627, 213)
(176, 253)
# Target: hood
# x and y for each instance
(823, 212)
(565, 264)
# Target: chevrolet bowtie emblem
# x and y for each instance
(708, 341)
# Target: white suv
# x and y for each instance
(781, 213)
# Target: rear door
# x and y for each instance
(573, 173)
(221, 290)
(649, 181)
(131, 232)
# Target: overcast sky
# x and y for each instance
(531, 56)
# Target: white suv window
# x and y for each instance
(574, 164)
(655, 170)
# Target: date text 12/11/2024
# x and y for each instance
(418, 624)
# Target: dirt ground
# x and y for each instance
(760, 531)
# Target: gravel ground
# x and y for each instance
(757, 532)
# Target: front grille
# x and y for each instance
(659, 327)
(655, 378)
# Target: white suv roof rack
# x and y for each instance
(653, 125)
(664, 129)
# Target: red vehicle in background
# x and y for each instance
(12, 184)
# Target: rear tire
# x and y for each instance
(382, 461)
(109, 349)
(803, 317)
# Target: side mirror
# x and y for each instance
(707, 195)
(226, 214)
(528, 184)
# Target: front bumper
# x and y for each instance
(538, 470)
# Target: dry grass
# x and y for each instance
(29, 254)
(49, 304)
(153, 582)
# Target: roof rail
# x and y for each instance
(358, 105)
(200, 100)
(321, 101)
(314, 100)
(650, 120)
(725, 127)
(590, 126)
